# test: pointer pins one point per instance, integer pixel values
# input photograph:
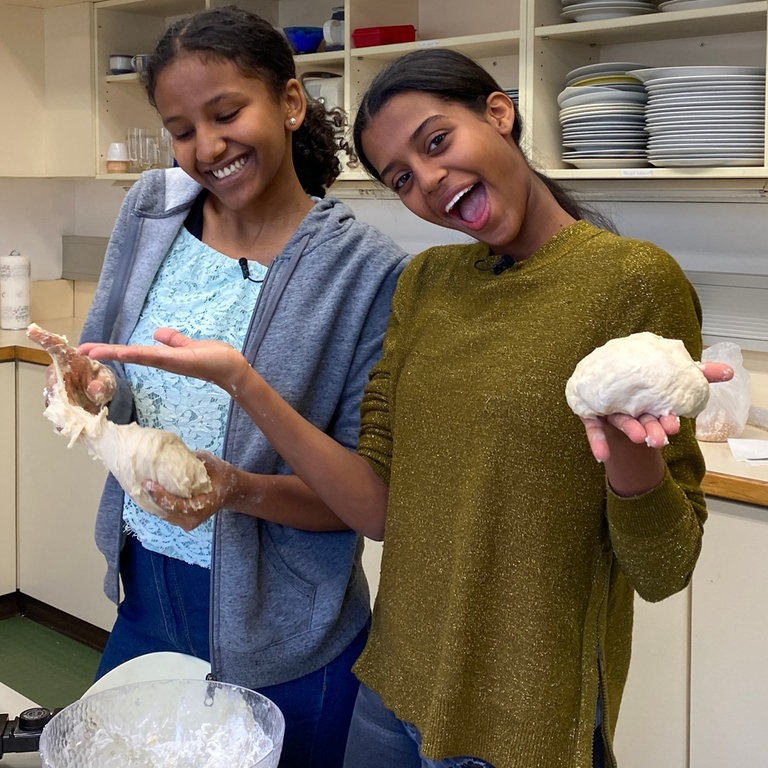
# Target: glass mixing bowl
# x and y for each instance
(169, 723)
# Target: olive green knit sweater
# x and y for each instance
(509, 571)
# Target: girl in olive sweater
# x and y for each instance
(502, 627)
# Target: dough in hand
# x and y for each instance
(637, 374)
(132, 453)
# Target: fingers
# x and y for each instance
(171, 337)
(651, 430)
(185, 513)
(716, 372)
(596, 437)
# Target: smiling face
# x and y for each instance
(230, 132)
(462, 169)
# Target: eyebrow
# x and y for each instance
(210, 103)
(413, 138)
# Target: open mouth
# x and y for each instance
(469, 206)
(228, 170)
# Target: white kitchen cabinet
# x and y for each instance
(7, 477)
(729, 627)
(58, 494)
(652, 729)
(524, 44)
(45, 87)
(720, 35)
(133, 26)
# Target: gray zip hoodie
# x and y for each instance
(284, 602)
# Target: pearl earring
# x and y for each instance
(292, 121)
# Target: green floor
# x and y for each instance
(43, 665)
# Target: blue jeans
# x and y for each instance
(165, 608)
(378, 739)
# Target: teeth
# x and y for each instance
(222, 173)
(459, 195)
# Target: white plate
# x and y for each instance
(165, 665)
(598, 14)
(728, 91)
(689, 5)
(607, 162)
(589, 94)
(705, 162)
(704, 81)
(704, 100)
(613, 134)
(602, 68)
(713, 117)
(631, 121)
(717, 72)
(605, 146)
(608, 109)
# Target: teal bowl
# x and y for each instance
(304, 39)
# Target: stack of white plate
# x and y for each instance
(690, 5)
(602, 114)
(705, 116)
(594, 10)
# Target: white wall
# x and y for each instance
(724, 234)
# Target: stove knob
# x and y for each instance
(34, 719)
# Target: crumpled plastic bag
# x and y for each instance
(726, 412)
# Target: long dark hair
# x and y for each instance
(452, 76)
(258, 50)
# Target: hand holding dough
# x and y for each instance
(132, 453)
(638, 374)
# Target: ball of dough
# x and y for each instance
(637, 374)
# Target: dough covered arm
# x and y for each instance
(283, 499)
(342, 479)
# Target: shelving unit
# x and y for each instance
(524, 44)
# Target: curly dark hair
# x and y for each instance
(258, 50)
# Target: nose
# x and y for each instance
(429, 174)
(209, 144)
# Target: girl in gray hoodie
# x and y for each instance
(240, 244)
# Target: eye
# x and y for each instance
(435, 141)
(400, 180)
(228, 117)
(181, 135)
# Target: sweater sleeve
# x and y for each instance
(377, 408)
(657, 536)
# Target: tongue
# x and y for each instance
(472, 206)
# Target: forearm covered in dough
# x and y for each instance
(283, 499)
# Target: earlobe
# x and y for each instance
(501, 112)
(295, 104)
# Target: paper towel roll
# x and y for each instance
(14, 291)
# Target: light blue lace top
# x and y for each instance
(202, 293)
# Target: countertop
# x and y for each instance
(726, 477)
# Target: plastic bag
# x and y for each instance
(727, 409)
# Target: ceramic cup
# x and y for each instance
(117, 151)
(120, 63)
(139, 63)
(117, 158)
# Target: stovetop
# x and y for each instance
(22, 733)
